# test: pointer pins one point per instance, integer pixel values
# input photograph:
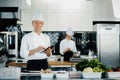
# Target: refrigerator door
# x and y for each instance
(109, 49)
(108, 44)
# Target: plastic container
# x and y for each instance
(10, 73)
(75, 74)
(62, 74)
(113, 74)
(91, 75)
(47, 75)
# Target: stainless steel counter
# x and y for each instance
(39, 78)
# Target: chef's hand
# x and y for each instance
(49, 51)
(68, 49)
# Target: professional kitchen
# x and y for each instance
(59, 40)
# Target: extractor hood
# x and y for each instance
(6, 22)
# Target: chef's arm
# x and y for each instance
(68, 49)
(32, 52)
(74, 48)
(62, 50)
(24, 48)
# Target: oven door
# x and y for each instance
(3, 40)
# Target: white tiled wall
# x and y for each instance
(60, 14)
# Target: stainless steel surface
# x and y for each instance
(109, 49)
(11, 42)
(3, 40)
(108, 44)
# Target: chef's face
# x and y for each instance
(68, 37)
(37, 24)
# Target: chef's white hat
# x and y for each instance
(69, 32)
(38, 16)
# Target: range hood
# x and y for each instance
(6, 22)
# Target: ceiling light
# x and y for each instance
(28, 2)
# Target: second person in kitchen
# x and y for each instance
(67, 46)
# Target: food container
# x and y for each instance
(10, 73)
(62, 74)
(91, 74)
(75, 74)
(47, 75)
(113, 74)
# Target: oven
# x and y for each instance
(10, 41)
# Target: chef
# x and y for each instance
(67, 46)
(35, 45)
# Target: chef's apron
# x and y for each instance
(68, 55)
(37, 64)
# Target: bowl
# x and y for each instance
(113, 74)
(91, 74)
(62, 74)
(47, 75)
(75, 74)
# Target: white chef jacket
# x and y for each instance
(64, 44)
(32, 41)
